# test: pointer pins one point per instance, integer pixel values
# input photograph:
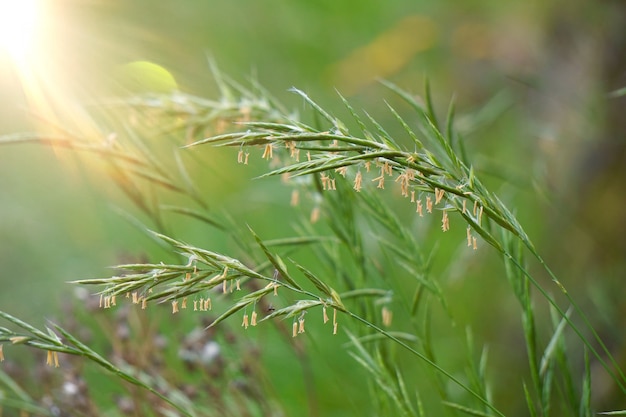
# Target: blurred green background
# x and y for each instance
(556, 153)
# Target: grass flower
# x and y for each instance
(295, 198)
(387, 316)
(268, 152)
(52, 358)
(315, 215)
(445, 222)
(358, 178)
(300, 325)
(438, 195)
(381, 181)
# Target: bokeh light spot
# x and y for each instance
(18, 23)
(145, 77)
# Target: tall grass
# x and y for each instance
(370, 271)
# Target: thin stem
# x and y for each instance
(428, 361)
(587, 323)
(568, 320)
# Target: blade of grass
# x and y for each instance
(466, 410)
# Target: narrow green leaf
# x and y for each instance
(407, 337)
(24, 138)
(550, 350)
(429, 104)
(14, 387)
(529, 402)
(620, 92)
(405, 126)
(386, 137)
(297, 241)
(585, 398)
(420, 405)
(547, 388)
(225, 91)
(450, 120)
(320, 285)
(53, 335)
(278, 263)
(190, 187)
(34, 331)
(313, 104)
(232, 310)
(141, 227)
(194, 214)
(231, 139)
(84, 350)
(363, 354)
(466, 410)
(354, 114)
(24, 406)
(273, 127)
(406, 400)
(366, 292)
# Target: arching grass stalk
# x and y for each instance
(434, 170)
(52, 343)
(198, 280)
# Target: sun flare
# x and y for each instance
(18, 23)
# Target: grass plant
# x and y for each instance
(367, 275)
